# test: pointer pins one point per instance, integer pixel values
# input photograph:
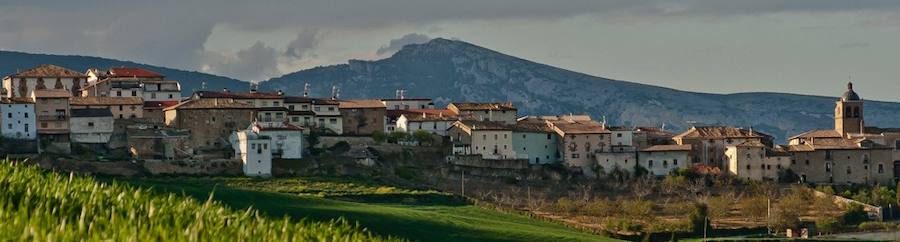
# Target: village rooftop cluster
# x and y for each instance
(51, 109)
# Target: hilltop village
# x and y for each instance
(140, 115)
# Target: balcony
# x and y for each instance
(52, 117)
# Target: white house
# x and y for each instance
(91, 125)
(660, 160)
(432, 121)
(18, 119)
(286, 139)
(254, 151)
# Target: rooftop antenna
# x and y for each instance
(253, 86)
(306, 90)
(401, 93)
(335, 92)
(203, 85)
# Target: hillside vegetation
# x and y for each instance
(36, 205)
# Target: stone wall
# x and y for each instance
(328, 141)
(215, 167)
(477, 161)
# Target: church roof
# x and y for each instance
(850, 95)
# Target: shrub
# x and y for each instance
(875, 226)
(638, 209)
(854, 215)
(698, 217)
(565, 205)
(623, 225)
(827, 225)
(601, 208)
(379, 136)
(340, 147)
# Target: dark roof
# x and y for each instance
(91, 101)
(47, 70)
(239, 95)
(283, 109)
(210, 104)
(533, 127)
(836, 144)
(405, 99)
(485, 125)
(16, 100)
(296, 99)
(52, 93)
(580, 127)
(322, 101)
(877, 130)
(361, 103)
(301, 113)
(132, 72)
(159, 104)
(656, 148)
(91, 112)
(822, 133)
(850, 95)
(483, 106)
(277, 127)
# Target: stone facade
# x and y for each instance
(660, 160)
(362, 117)
(210, 121)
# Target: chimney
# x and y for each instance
(423, 115)
(225, 90)
(253, 86)
(280, 92)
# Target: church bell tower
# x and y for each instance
(848, 113)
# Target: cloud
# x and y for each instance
(849, 45)
(306, 40)
(396, 44)
(256, 62)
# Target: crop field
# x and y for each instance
(384, 210)
(37, 205)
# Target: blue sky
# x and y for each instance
(719, 46)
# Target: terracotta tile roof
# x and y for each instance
(307, 113)
(580, 127)
(210, 104)
(484, 106)
(822, 133)
(751, 143)
(159, 104)
(877, 130)
(720, 132)
(91, 113)
(427, 117)
(16, 100)
(836, 144)
(361, 103)
(47, 70)
(778, 150)
(238, 95)
(132, 72)
(323, 101)
(98, 101)
(484, 125)
(618, 128)
(405, 99)
(533, 127)
(52, 93)
(667, 148)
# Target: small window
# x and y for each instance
(880, 168)
(90, 124)
(619, 135)
(748, 167)
(575, 156)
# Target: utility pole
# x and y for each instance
(462, 182)
(705, 224)
(768, 215)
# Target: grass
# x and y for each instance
(38, 205)
(388, 211)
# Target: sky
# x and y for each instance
(717, 46)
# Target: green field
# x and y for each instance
(384, 210)
(37, 205)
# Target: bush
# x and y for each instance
(601, 208)
(397, 136)
(379, 136)
(698, 217)
(875, 226)
(637, 209)
(623, 225)
(854, 215)
(340, 147)
(565, 205)
(827, 225)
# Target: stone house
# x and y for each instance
(499, 112)
(753, 160)
(255, 152)
(131, 82)
(362, 116)
(153, 110)
(52, 109)
(158, 143)
(660, 160)
(91, 125)
(328, 115)
(120, 107)
(24, 83)
(709, 142)
(210, 121)
(580, 141)
(407, 103)
(17, 118)
(492, 140)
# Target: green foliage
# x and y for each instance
(875, 226)
(565, 205)
(827, 225)
(42, 206)
(313, 138)
(340, 147)
(637, 209)
(601, 208)
(698, 217)
(397, 136)
(379, 136)
(406, 173)
(423, 137)
(788, 176)
(754, 207)
(671, 184)
(623, 225)
(854, 215)
(640, 171)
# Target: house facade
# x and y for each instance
(709, 142)
(752, 160)
(535, 140)
(91, 125)
(43, 77)
(52, 109)
(286, 139)
(580, 141)
(491, 140)
(660, 160)
(210, 121)
(407, 103)
(254, 151)
(434, 121)
(362, 117)
(17, 118)
(498, 112)
(120, 107)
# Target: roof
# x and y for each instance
(47, 70)
(276, 127)
(534, 126)
(569, 117)
(836, 144)
(322, 101)
(238, 95)
(877, 130)
(667, 148)
(720, 132)
(821, 133)
(580, 127)
(16, 100)
(52, 93)
(210, 104)
(778, 150)
(396, 113)
(361, 103)
(484, 106)
(485, 125)
(159, 104)
(301, 113)
(132, 72)
(282, 109)
(425, 117)
(618, 128)
(98, 101)
(405, 99)
(751, 143)
(654, 131)
(850, 95)
(296, 99)
(91, 112)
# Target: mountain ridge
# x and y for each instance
(466, 72)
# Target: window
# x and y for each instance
(170, 96)
(827, 167)
(650, 163)
(880, 168)
(295, 119)
(675, 162)
(26, 115)
(118, 93)
(9, 126)
(550, 135)
(333, 121)
(152, 95)
(575, 156)
(807, 162)
(9, 115)
(276, 103)
(848, 170)
(290, 107)
(90, 124)
(897, 145)
(495, 136)
(827, 155)
(619, 135)
(121, 108)
(318, 109)
(762, 166)
(133, 108)
(330, 108)
(483, 137)
(665, 164)
(748, 167)
(133, 93)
